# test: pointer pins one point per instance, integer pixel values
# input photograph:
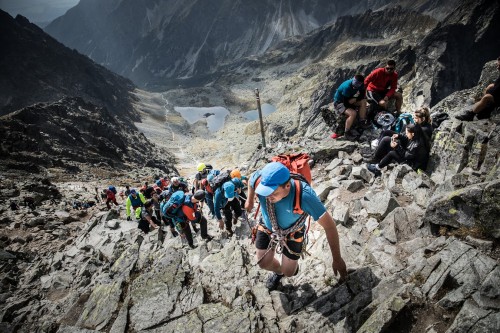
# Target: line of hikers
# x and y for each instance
(172, 202)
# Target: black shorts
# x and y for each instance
(375, 96)
(294, 242)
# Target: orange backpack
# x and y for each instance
(299, 170)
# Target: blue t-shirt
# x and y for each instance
(346, 91)
(284, 208)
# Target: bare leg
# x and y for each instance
(486, 101)
(351, 117)
(399, 101)
(362, 108)
(288, 266)
(269, 262)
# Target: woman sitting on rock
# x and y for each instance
(411, 148)
(422, 117)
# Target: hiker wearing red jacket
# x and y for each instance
(381, 86)
(110, 197)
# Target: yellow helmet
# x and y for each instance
(201, 167)
(236, 174)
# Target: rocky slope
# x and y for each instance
(73, 135)
(423, 248)
(423, 251)
(36, 68)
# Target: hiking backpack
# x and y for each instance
(401, 122)
(172, 206)
(220, 179)
(112, 189)
(297, 163)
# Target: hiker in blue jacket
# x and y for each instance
(283, 223)
(349, 99)
(226, 198)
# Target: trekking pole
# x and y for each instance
(260, 118)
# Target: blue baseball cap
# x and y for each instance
(272, 175)
(228, 189)
(356, 83)
(133, 191)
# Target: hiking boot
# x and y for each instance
(192, 246)
(350, 135)
(235, 220)
(334, 136)
(374, 170)
(466, 115)
(364, 124)
(174, 233)
(273, 281)
(207, 238)
(370, 160)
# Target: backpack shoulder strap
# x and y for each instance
(298, 198)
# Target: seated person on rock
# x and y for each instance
(422, 118)
(381, 85)
(410, 148)
(489, 101)
(349, 99)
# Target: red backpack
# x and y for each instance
(299, 170)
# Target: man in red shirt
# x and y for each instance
(381, 86)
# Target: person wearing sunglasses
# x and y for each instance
(349, 99)
(381, 86)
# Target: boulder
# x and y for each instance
(379, 204)
(471, 206)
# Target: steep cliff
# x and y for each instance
(168, 42)
(36, 68)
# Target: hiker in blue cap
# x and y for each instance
(282, 225)
(226, 198)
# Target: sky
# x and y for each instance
(37, 11)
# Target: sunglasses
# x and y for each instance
(390, 68)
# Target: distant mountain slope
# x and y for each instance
(164, 43)
(62, 110)
(154, 42)
(36, 68)
(73, 135)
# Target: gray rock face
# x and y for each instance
(379, 204)
(467, 207)
(193, 37)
